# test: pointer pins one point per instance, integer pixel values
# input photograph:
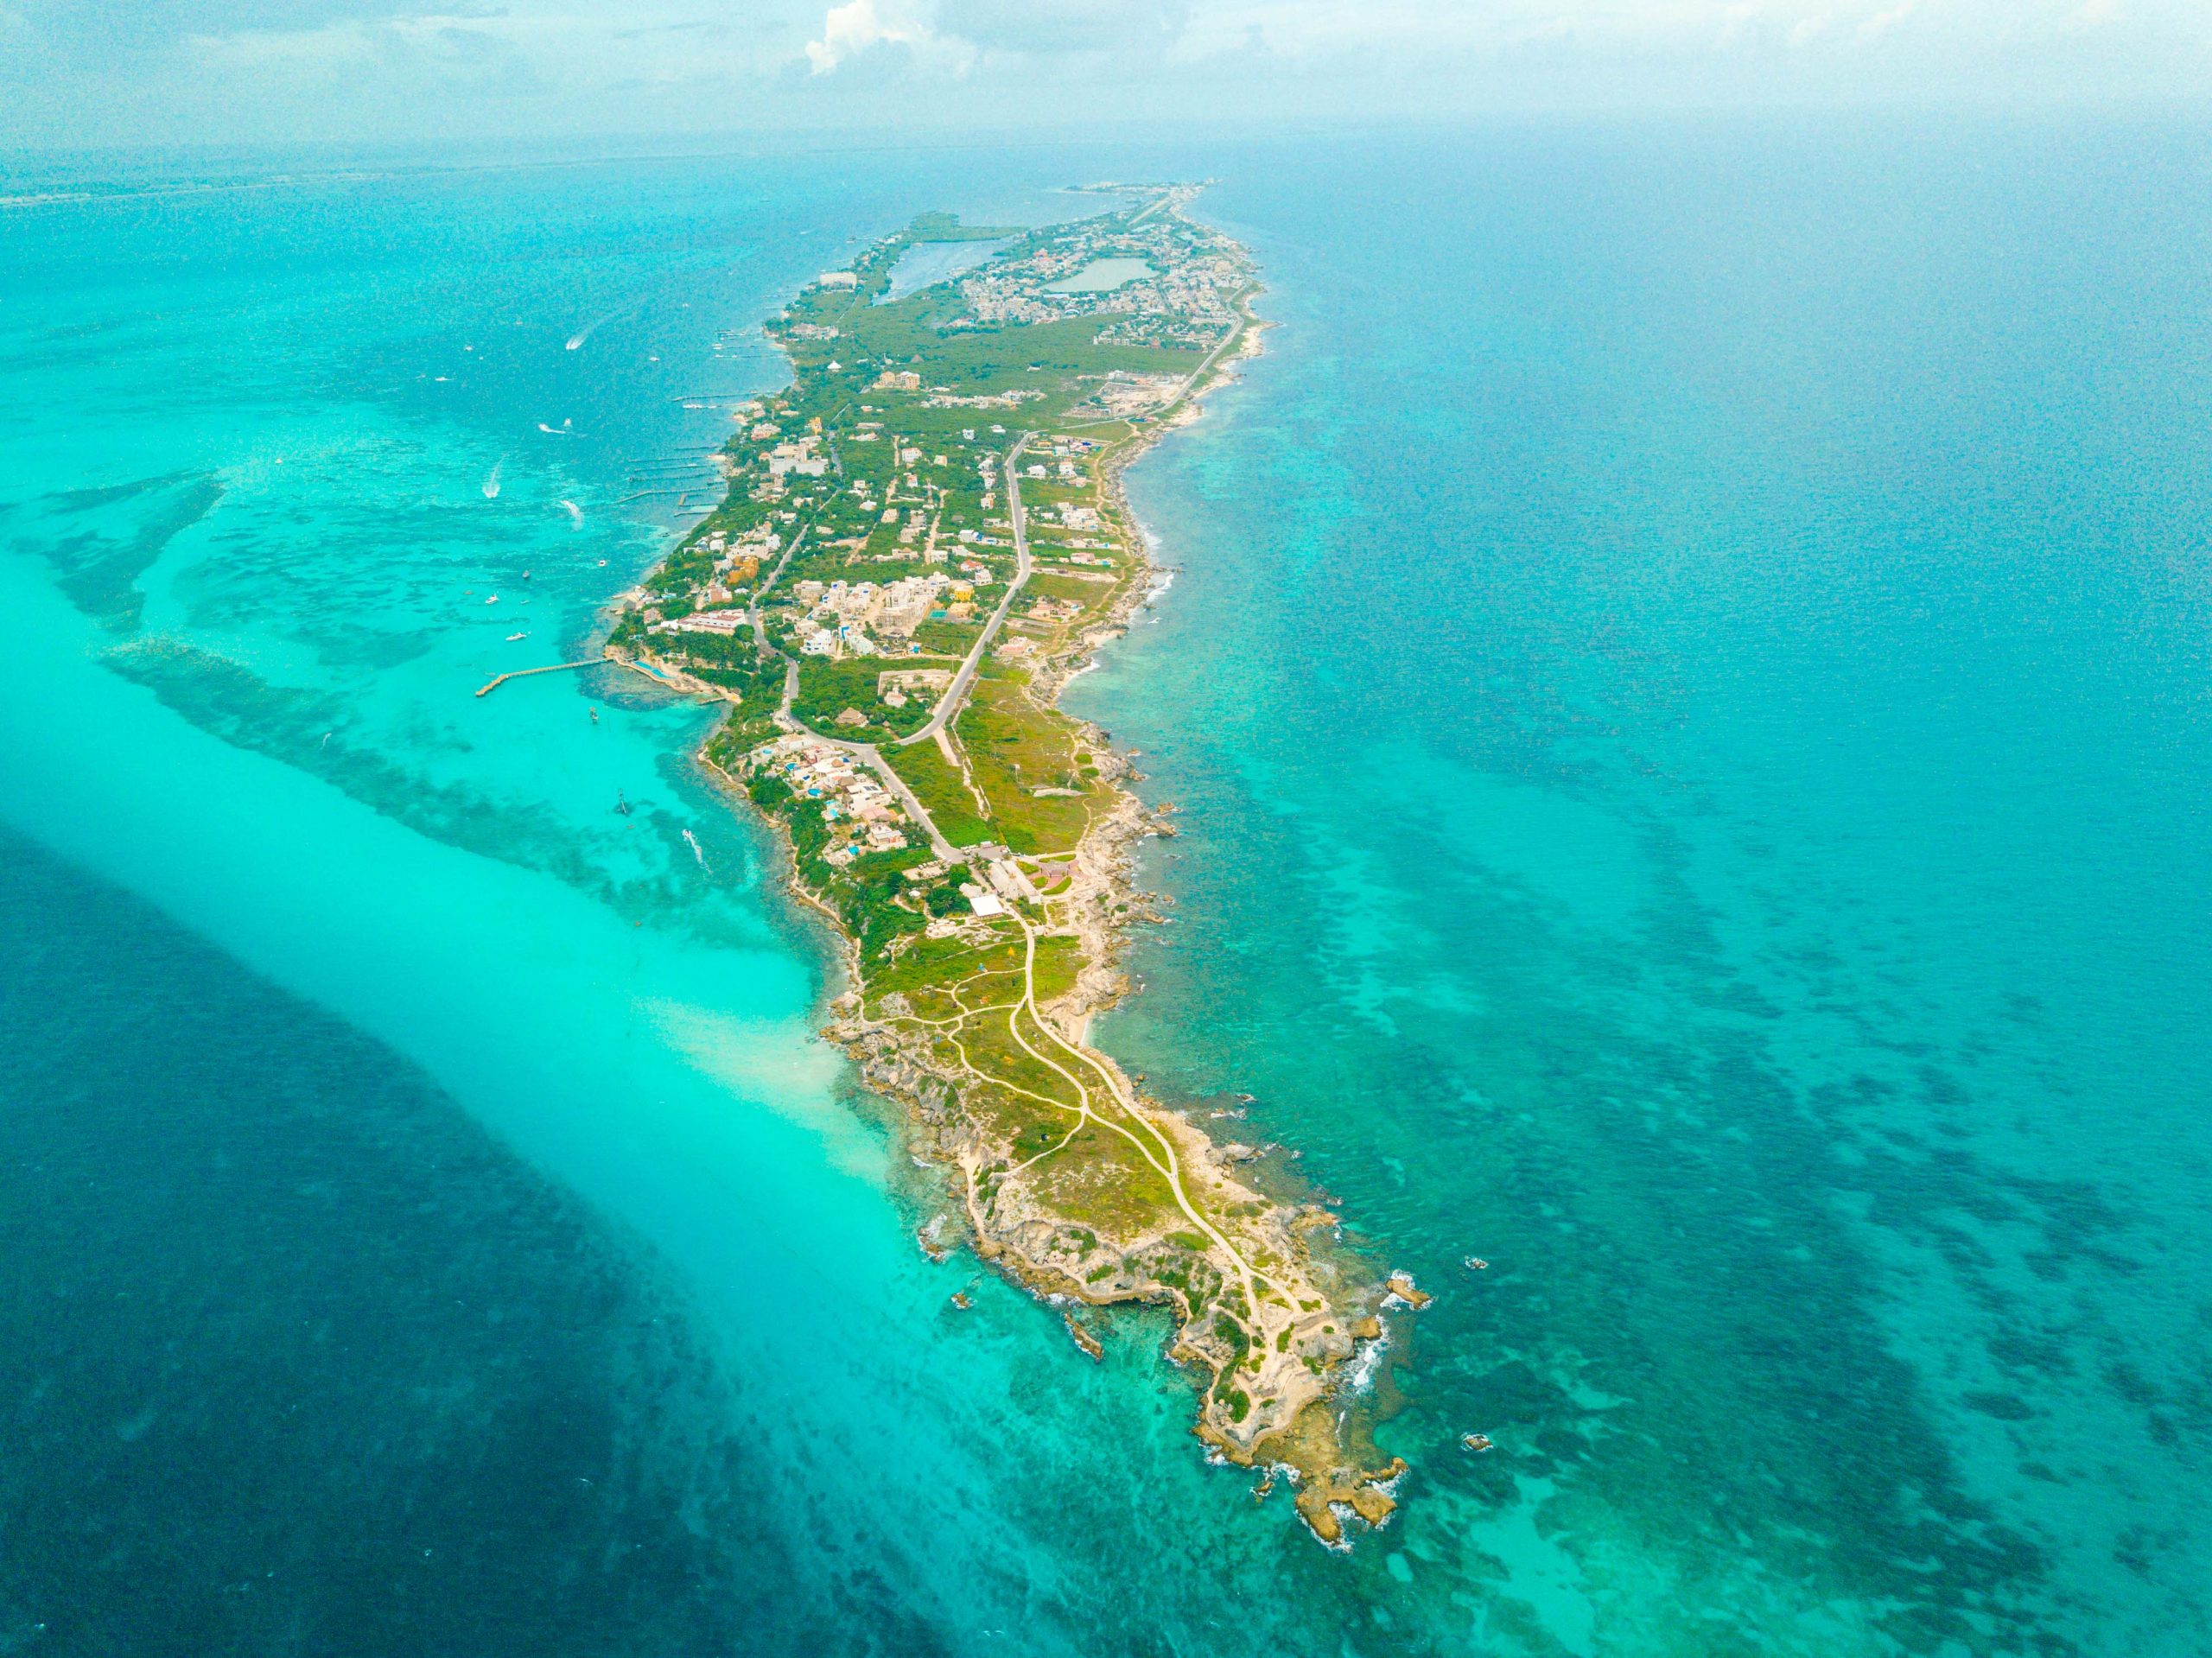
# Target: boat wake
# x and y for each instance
(576, 339)
(492, 483)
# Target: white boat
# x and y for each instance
(493, 599)
(511, 638)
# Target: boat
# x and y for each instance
(511, 638)
(493, 599)
(620, 805)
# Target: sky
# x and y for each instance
(96, 74)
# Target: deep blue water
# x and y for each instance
(1687, 684)
(298, 1360)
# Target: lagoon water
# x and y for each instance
(926, 264)
(1687, 684)
(1104, 276)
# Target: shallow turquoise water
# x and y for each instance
(1690, 717)
(1686, 682)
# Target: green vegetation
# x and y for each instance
(828, 689)
(943, 795)
(866, 537)
(1015, 748)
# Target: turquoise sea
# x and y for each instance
(1687, 681)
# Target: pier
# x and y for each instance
(498, 680)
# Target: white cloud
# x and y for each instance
(1883, 22)
(1808, 29)
(167, 69)
(858, 26)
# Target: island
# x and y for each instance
(923, 539)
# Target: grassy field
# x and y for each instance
(1014, 749)
(943, 795)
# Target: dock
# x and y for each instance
(498, 680)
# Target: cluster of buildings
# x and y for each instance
(865, 816)
(1121, 394)
(1055, 611)
(740, 560)
(799, 455)
(1011, 399)
(1006, 885)
(705, 621)
(837, 615)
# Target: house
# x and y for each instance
(982, 903)
(912, 679)
(838, 279)
(724, 622)
(1006, 879)
(797, 457)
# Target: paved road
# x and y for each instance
(954, 693)
(949, 704)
